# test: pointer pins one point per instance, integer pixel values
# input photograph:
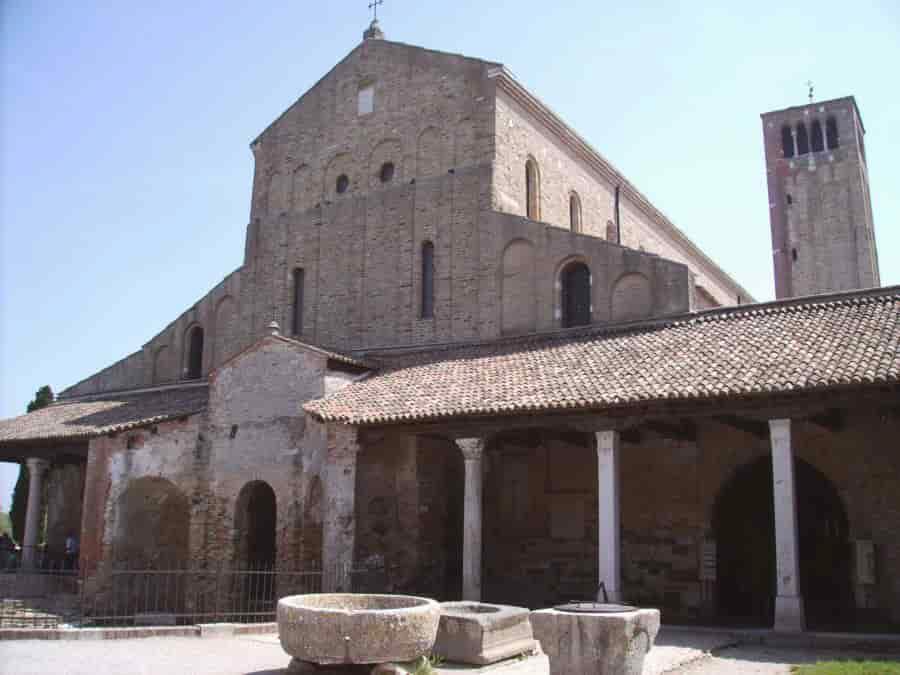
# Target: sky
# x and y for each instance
(125, 168)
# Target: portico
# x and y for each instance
(583, 468)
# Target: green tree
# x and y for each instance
(42, 398)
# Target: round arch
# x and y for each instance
(743, 523)
(152, 524)
(575, 281)
(255, 520)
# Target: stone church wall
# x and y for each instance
(430, 112)
(164, 358)
(158, 462)
(520, 135)
(258, 433)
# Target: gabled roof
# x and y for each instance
(332, 356)
(92, 416)
(800, 345)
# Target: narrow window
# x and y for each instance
(794, 254)
(366, 99)
(802, 139)
(574, 212)
(790, 200)
(576, 295)
(195, 353)
(787, 141)
(297, 316)
(831, 133)
(427, 280)
(532, 190)
(342, 183)
(387, 172)
(818, 143)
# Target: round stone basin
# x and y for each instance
(330, 628)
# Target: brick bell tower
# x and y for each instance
(823, 239)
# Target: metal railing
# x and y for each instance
(120, 594)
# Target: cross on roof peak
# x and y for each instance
(374, 7)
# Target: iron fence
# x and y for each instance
(55, 594)
(121, 595)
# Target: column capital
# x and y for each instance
(607, 440)
(36, 465)
(471, 448)
(780, 430)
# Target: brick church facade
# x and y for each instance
(464, 351)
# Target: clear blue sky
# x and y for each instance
(124, 133)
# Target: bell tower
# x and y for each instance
(823, 239)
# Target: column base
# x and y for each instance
(789, 614)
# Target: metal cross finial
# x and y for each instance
(810, 85)
(374, 7)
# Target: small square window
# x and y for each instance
(366, 99)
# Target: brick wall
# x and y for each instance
(823, 236)
(520, 134)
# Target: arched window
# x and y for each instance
(195, 353)
(787, 141)
(297, 315)
(386, 173)
(342, 183)
(831, 133)
(532, 190)
(574, 212)
(802, 139)
(818, 143)
(575, 298)
(427, 280)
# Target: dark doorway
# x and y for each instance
(255, 551)
(255, 525)
(744, 527)
(575, 280)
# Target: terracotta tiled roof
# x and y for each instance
(782, 347)
(101, 414)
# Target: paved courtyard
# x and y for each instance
(678, 653)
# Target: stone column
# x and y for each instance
(608, 547)
(338, 513)
(789, 615)
(36, 468)
(472, 451)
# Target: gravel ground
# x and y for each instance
(676, 653)
(243, 655)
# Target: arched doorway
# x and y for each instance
(255, 519)
(575, 294)
(744, 529)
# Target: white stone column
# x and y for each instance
(339, 515)
(472, 450)
(36, 469)
(789, 615)
(608, 523)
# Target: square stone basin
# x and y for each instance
(478, 633)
